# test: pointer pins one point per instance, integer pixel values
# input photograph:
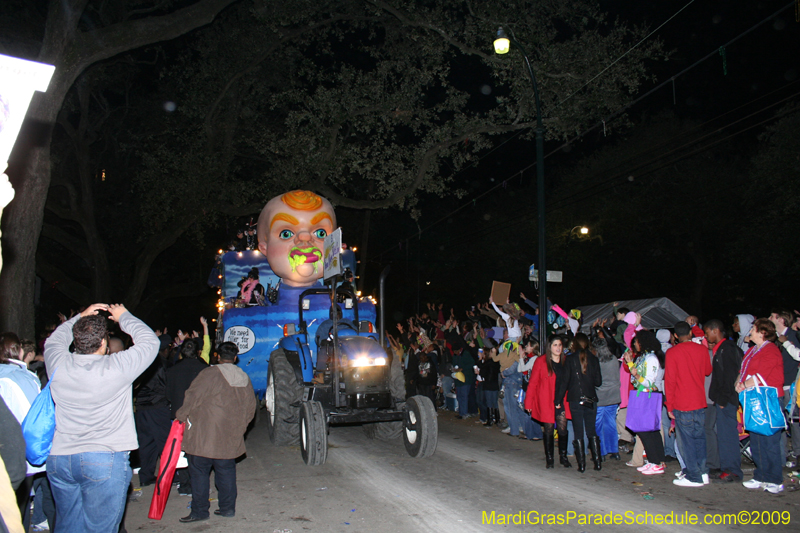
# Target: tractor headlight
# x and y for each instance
(367, 361)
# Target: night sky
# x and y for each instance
(457, 246)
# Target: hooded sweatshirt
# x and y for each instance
(745, 323)
(217, 408)
(663, 336)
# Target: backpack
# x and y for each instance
(39, 426)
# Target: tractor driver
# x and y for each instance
(291, 234)
(325, 333)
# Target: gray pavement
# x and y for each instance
(368, 486)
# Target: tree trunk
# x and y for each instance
(71, 51)
(22, 219)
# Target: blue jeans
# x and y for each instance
(533, 430)
(691, 430)
(462, 395)
(90, 490)
(490, 398)
(669, 440)
(514, 414)
(730, 457)
(767, 456)
(447, 386)
(224, 479)
(606, 425)
(43, 505)
(480, 398)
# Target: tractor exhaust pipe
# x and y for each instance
(381, 292)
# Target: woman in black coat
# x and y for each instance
(584, 376)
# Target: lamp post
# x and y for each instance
(583, 230)
(502, 45)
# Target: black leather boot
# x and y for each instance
(580, 454)
(563, 440)
(594, 447)
(547, 439)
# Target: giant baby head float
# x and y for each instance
(291, 233)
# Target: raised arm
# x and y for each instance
(206, 340)
(57, 344)
(499, 312)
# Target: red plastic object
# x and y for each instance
(169, 459)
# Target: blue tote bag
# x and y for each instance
(761, 409)
(39, 427)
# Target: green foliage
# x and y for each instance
(374, 103)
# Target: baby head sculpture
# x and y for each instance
(291, 234)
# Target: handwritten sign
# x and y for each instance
(241, 336)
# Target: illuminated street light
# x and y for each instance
(502, 44)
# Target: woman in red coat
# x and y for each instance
(544, 399)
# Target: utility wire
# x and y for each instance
(487, 230)
(601, 122)
(625, 54)
(627, 170)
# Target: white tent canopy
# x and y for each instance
(656, 313)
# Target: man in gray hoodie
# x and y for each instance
(88, 467)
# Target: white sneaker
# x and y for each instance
(686, 482)
(41, 526)
(752, 484)
(679, 474)
(706, 481)
(773, 488)
(507, 430)
(646, 466)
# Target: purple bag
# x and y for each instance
(644, 411)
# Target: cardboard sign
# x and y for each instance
(500, 292)
(332, 261)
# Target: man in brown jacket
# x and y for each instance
(216, 409)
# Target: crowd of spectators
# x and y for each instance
(109, 407)
(486, 363)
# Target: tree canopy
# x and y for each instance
(370, 103)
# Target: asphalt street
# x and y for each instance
(368, 486)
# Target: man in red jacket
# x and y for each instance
(687, 365)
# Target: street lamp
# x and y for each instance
(502, 44)
(583, 230)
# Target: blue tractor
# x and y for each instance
(316, 360)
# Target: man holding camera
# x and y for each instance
(89, 463)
